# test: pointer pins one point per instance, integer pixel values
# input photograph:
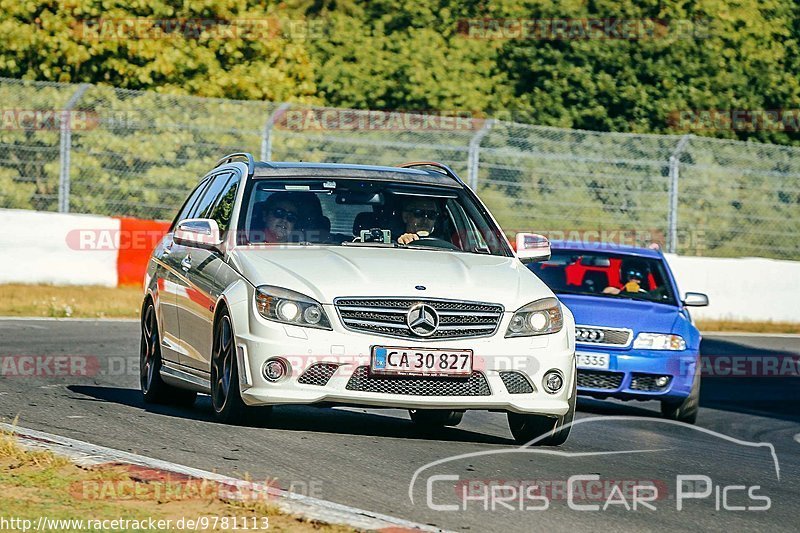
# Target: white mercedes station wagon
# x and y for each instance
(333, 284)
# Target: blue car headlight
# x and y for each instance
(659, 341)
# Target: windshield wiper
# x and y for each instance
(481, 250)
(371, 244)
(564, 291)
(622, 296)
(417, 247)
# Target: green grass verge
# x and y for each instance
(38, 484)
(125, 302)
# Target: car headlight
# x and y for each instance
(537, 318)
(290, 307)
(659, 341)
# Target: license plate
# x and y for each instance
(390, 360)
(592, 360)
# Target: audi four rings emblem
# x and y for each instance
(422, 319)
(589, 335)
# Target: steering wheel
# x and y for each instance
(434, 242)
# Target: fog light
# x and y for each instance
(662, 381)
(553, 381)
(275, 369)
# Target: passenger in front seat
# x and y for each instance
(281, 216)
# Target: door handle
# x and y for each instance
(168, 249)
(186, 262)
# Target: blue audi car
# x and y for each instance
(634, 339)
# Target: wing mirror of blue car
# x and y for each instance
(532, 247)
(695, 299)
(198, 232)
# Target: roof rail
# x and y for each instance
(437, 167)
(245, 157)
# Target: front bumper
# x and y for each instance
(631, 374)
(350, 352)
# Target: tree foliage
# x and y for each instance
(150, 147)
(406, 54)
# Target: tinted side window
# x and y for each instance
(222, 209)
(183, 214)
(210, 196)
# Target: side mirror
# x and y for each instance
(198, 232)
(695, 299)
(533, 247)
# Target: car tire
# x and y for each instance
(226, 396)
(684, 410)
(435, 418)
(154, 390)
(525, 428)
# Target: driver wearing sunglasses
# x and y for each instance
(419, 216)
(281, 216)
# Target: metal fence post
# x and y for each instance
(266, 135)
(674, 174)
(474, 153)
(65, 149)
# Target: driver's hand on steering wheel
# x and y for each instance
(407, 238)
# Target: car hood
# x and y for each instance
(325, 273)
(621, 313)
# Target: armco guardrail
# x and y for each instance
(100, 150)
(66, 249)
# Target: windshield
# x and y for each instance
(352, 212)
(606, 275)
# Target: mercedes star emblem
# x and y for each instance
(422, 320)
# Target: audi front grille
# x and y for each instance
(388, 317)
(603, 336)
(597, 379)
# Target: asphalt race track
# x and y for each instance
(368, 458)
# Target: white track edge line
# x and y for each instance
(291, 503)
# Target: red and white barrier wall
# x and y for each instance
(59, 249)
(51, 248)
